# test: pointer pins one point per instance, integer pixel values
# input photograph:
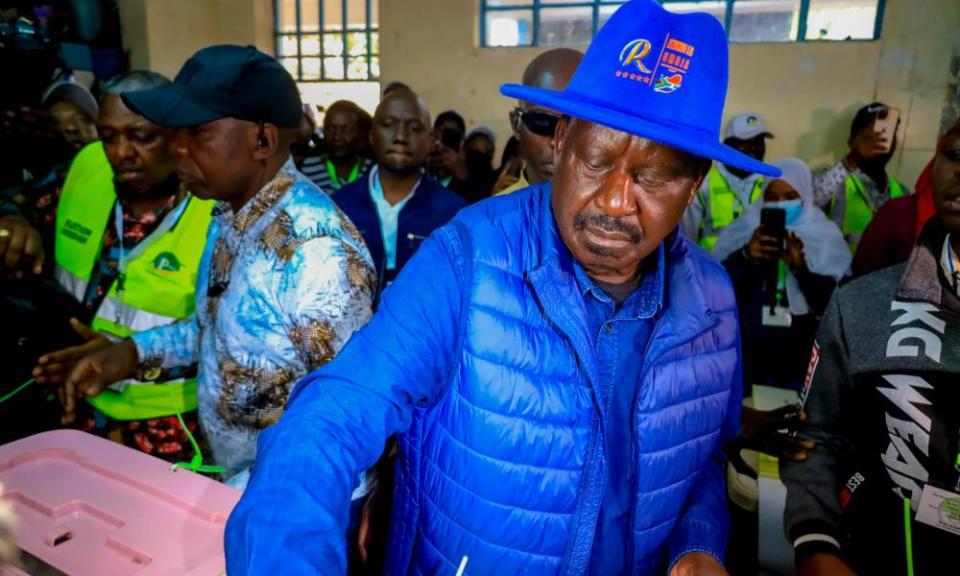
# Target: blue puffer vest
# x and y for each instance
(508, 466)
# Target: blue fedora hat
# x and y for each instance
(655, 74)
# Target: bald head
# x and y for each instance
(401, 136)
(534, 125)
(553, 69)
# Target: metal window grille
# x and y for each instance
(571, 22)
(328, 40)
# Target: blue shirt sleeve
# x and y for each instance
(292, 518)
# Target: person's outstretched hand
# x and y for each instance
(54, 367)
(21, 247)
(770, 432)
(824, 565)
(95, 372)
(698, 564)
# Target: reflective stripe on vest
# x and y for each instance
(723, 208)
(857, 212)
(160, 275)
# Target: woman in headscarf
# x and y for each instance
(781, 293)
(776, 346)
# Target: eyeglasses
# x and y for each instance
(540, 123)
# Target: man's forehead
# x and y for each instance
(114, 111)
(403, 105)
(341, 115)
(597, 135)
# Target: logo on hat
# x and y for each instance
(667, 84)
(634, 53)
(752, 120)
(674, 59)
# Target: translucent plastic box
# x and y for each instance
(88, 506)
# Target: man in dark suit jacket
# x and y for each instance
(398, 204)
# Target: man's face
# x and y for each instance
(755, 147)
(945, 179)
(480, 145)
(76, 128)
(138, 150)
(537, 142)
(617, 196)
(780, 191)
(215, 160)
(479, 152)
(401, 136)
(341, 130)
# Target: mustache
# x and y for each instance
(608, 224)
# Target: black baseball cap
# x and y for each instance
(866, 115)
(224, 81)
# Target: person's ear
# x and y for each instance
(560, 136)
(697, 183)
(267, 141)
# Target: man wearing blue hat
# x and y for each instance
(561, 365)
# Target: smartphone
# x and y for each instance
(451, 138)
(773, 222)
(885, 125)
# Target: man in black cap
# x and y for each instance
(857, 186)
(285, 278)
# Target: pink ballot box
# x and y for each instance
(85, 505)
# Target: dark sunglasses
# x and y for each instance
(540, 123)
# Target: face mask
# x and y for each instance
(793, 208)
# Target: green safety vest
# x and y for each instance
(857, 212)
(160, 276)
(724, 207)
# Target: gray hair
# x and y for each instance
(133, 82)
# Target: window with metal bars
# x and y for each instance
(328, 40)
(572, 22)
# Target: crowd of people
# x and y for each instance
(413, 361)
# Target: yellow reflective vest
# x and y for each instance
(160, 276)
(857, 212)
(722, 207)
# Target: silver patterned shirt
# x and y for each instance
(282, 285)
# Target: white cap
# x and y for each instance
(745, 127)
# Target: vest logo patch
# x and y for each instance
(167, 262)
(76, 231)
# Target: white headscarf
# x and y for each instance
(824, 248)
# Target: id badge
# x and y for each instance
(939, 508)
(778, 317)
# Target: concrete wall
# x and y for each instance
(807, 91)
(162, 34)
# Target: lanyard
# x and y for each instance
(337, 183)
(781, 280)
(165, 226)
(951, 267)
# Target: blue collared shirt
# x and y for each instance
(389, 215)
(621, 337)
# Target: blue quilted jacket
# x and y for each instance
(480, 358)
